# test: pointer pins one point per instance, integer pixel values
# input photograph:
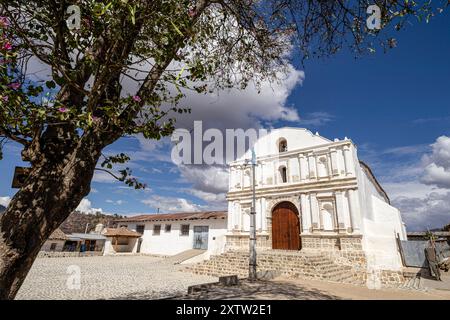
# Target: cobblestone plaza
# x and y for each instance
(109, 277)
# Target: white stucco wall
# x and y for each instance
(47, 245)
(380, 237)
(111, 248)
(171, 243)
(108, 247)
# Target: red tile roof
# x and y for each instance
(176, 216)
(121, 232)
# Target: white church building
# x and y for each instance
(313, 197)
(313, 194)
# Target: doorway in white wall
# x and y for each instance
(201, 237)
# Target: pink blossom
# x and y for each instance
(63, 110)
(5, 98)
(7, 46)
(14, 85)
(137, 98)
(191, 12)
(3, 22)
(95, 119)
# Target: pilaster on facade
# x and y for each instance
(343, 215)
(314, 207)
(334, 162)
(312, 172)
(303, 171)
(306, 213)
(348, 160)
(354, 209)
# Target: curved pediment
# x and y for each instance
(284, 139)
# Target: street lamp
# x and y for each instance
(252, 236)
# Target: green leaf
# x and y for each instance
(50, 84)
(133, 13)
(176, 29)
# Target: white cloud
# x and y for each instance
(208, 196)
(418, 187)
(429, 212)
(116, 202)
(85, 206)
(437, 169)
(413, 189)
(4, 201)
(211, 179)
(171, 204)
(236, 108)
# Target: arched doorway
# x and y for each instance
(285, 227)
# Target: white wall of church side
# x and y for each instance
(380, 237)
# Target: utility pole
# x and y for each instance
(252, 258)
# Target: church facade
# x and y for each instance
(313, 194)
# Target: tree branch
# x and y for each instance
(110, 173)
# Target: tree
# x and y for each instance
(163, 48)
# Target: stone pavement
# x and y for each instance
(109, 277)
(146, 277)
(303, 289)
(430, 283)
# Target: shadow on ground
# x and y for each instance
(263, 290)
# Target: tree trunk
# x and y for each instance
(51, 192)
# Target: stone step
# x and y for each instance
(314, 266)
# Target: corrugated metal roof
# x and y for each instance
(423, 233)
(72, 238)
(88, 236)
(176, 216)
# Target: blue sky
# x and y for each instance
(393, 105)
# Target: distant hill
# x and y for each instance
(77, 221)
(2, 209)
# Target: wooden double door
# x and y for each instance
(285, 227)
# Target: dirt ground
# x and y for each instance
(301, 289)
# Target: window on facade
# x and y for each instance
(156, 229)
(53, 247)
(282, 145)
(167, 228)
(140, 229)
(283, 174)
(184, 229)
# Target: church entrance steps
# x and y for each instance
(295, 264)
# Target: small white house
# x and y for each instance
(169, 234)
(56, 241)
